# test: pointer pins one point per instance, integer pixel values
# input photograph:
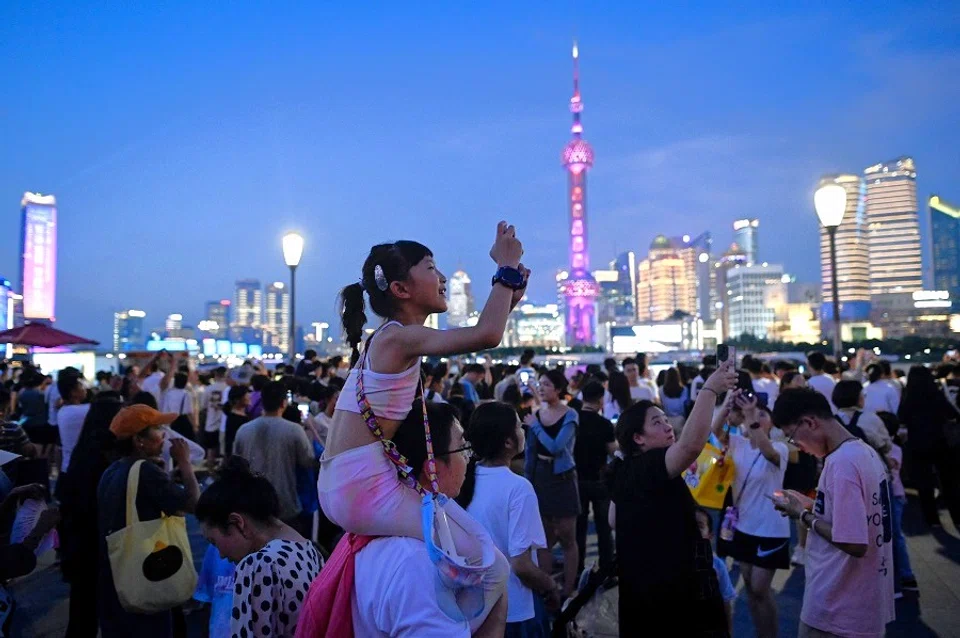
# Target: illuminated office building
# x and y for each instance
(276, 325)
(248, 304)
(755, 294)
(853, 255)
(666, 281)
(733, 258)
(745, 235)
(128, 333)
(530, 326)
(893, 227)
(38, 256)
(945, 230)
(218, 312)
(460, 306)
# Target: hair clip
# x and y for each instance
(380, 278)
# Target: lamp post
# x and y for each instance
(292, 252)
(830, 200)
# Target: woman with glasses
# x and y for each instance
(551, 467)
(506, 505)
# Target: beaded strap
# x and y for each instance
(389, 447)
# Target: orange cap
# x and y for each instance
(136, 418)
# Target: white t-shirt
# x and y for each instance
(213, 397)
(824, 384)
(881, 396)
(395, 593)
(520, 531)
(769, 387)
(757, 514)
(177, 400)
(70, 423)
(152, 385)
(51, 396)
(645, 391)
(845, 595)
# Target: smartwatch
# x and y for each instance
(512, 278)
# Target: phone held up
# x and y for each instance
(726, 352)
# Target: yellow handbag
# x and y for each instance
(151, 561)
(710, 476)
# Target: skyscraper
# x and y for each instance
(853, 252)
(745, 233)
(276, 325)
(666, 282)
(626, 265)
(128, 330)
(219, 313)
(733, 258)
(579, 289)
(460, 300)
(247, 304)
(894, 228)
(38, 255)
(754, 295)
(945, 230)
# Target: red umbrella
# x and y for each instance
(42, 336)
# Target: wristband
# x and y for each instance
(715, 393)
(804, 520)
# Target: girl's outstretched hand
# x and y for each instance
(507, 249)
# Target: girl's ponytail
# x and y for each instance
(469, 485)
(352, 317)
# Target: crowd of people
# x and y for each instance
(410, 492)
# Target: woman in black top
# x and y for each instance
(238, 401)
(667, 582)
(924, 410)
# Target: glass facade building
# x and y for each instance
(945, 230)
(893, 227)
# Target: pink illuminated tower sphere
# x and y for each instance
(580, 289)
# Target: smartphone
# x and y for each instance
(524, 378)
(725, 352)
(304, 410)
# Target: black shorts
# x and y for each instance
(43, 434)
(759, 551)
(211, 440)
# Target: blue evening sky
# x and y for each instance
(183, 138)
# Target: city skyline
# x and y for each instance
(164, 200)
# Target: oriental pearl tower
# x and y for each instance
(580, 288)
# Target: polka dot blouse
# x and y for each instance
(270, 587)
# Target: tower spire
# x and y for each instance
(576, 106)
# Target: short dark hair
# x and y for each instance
(180, 380)
(830, 367)
(273, 395)
(709, 361)
(631, 422)
(781, 364)
(238, 490)
(67, 382)
(411, 440)
(788, 378)
(816, 360)
(219, 372)
(258, 382)
(753, 365)
(846, 394)
(144, 398)
(527, 356)
(236, 393)
(473, 368)
(309, 354)
(795, 403)
(629, 361)
(593, 392)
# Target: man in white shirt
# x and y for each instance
(709, 365)
(71, 415)
(880, 395)
(211, 405)
(761, 384)
(641, 388)
(155, 381)
(819, 380)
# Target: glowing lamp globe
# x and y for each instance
(830, 200)
(292, 249)
(577, 155)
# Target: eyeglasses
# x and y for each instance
(466, 451)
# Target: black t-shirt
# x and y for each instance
(590, 450)
(663, 563)
(156, 495)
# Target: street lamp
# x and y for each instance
(292, 252)
(830, 200)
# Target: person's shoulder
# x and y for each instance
(398, 560)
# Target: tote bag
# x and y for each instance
(151, 561)
(710, 477)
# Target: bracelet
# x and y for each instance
(709, 390)
(812, 522)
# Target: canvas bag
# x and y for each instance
(710, 476)
(151, 561)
